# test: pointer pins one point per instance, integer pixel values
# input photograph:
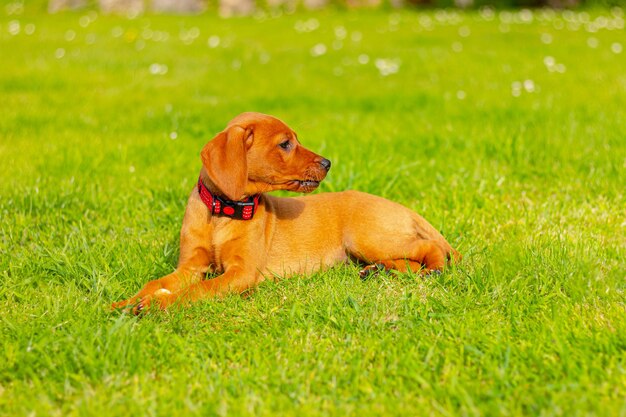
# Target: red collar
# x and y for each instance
(240, 210)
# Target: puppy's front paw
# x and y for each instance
(138, 304)
(160, 299)
(125, 305)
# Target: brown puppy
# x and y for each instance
(233, 228)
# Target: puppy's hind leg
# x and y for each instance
(400, 265)
(422, 256)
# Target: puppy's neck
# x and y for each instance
(218, 205)
(210, 185)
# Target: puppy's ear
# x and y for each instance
(226, 162)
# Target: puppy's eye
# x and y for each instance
(285, 145)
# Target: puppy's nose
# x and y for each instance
(325, 163)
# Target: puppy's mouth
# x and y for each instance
(306, 186)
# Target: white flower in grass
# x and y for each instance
(341, 32)
(312, 24)
(592, 42)
(505, 17)
(526, 15)
(309, 25)
(194, 32)
(569, 16)
(616, 47)
(158, 69)
(546, 15)
(318, 50)
(14, 8)
(487, 13)
(59, 53)
(461, 95)
(158, 36)
(464, 31)
(546, 38)
(583, 17)
(214, 41)
(70, 35)
(363, 59)
(601, 22)
(552, 65)
(84, 21)
(29, 29)
(516, 88)
(425, 22)
(387, 66)
(529, 86)
(173, 135)
(14, 27)
(189, 36)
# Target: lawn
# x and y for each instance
(505, 130)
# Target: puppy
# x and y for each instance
(233, 228)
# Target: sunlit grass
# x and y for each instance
(505, 130)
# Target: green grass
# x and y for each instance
(530, 188)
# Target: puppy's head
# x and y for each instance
(257, 153)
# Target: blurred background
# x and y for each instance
(244, 7)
